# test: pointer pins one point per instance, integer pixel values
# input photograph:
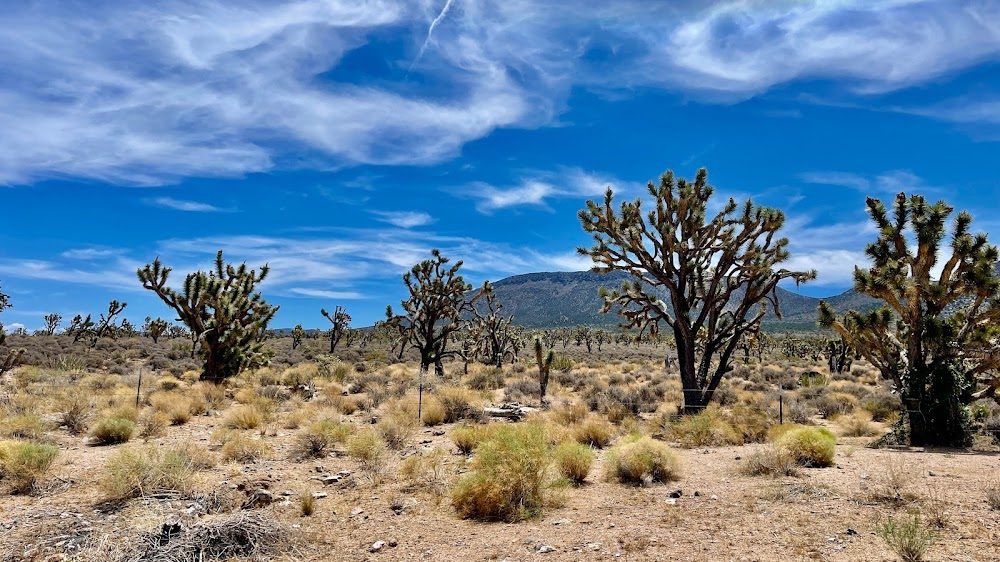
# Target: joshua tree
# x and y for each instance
(544, 362)
(8, 362)
(81, 327)
(298, 332)
(153, 329)
(434, 312)
(717, 275)
(936, 336)
(494, 334)
(51, 323)
(839, 356)
(227, 318)
(340, 320)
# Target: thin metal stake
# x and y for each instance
(137, 387)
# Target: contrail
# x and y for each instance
(430, 30)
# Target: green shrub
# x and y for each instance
(882, 405)
(317, 439)
(640, 462)
(369, 449)
(507, 481)
(23, 463)
(574, 461)
(909, 538)
(29, 427)
(112, 430)
(467, 438)
(810, 446)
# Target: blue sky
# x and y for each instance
(340, 141)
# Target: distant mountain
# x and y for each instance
(560, 299)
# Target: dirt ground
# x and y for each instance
(824, 514)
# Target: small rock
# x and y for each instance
(595, 546)
(931, 473)
(357, 511)
(319, 495)
(562, 521)
(714, 497)
(676, 494)
(850, 532)
(542, 549)
(670, 501)
(697, 493)
(376, 546)
(393, 543)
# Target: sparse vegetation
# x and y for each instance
(641, 462)
(908, 537)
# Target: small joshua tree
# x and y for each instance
(709, 280)
(153, 329)
(936, 337)
(341, 321)
(228, 319)
(51, 323)
(544, 362)
(7, 362)
(494, 334)
(81, 327)
(298, 332)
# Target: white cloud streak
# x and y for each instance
(150, 93)
(404, 219)
(184, 205)
(536, 188)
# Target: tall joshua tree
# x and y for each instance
(434, 312)
(341, 321)
(718, 274)
(494, 333)
(936, 337)
(228, 319)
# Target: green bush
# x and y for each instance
(809, 446)
(594, 432)
(23, 463)
(112, 430)
(642, 461)
(507, 481)
(467, 438)
(707, 429)
(908, 538)
(574, 461)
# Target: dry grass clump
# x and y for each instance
(176, 406)
(369, 449)
(488, 378)
(150, 471)
(594, 432)
(432, 411)
(112, 429)
(467, 438)
(244, 449)
(28, 427)
(319, 438)
(993, 496)
(574, 461)
(245, 416)
(882, 405)
(396, 428)
(507, 481)
(76, 414)
(458, 404)
(909, 538)
(891, 486)
(809, 446)
(153, 424)
(751, 420)
(833, 404)
(424, 469)
(769, 461)
(23, 463)
(706, 429)
(858, 424)
(570, 414)
(641, 461)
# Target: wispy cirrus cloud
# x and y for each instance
(185, 205)
(151, 93)
(537, 188)
(325, 294)
(404, 219)
(885, 183)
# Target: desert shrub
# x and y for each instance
(153, 424)
(317, 439)
(908, 537)
(457, 403)
(213, 395)
(467, 438)
(798, 411)
(424, 469)
(641, 461)
(148, 471)
(706, 429)
(507, 481)
(76, 415)
(858, 424)
(832, 404)
(993, 496)
(169, 383)
(244, 416)
(562, 364)
(177, 407)
(490, 378)
(111, 430)
(396, 429)
(891, 485)
(768, 461)
(520, 390)
(569, 414)
(243, 449)
(574, 461)
(882, 405)
(432, 411)
(22, 463)
(29, 427)
(594, 432)
(809, 446)
(369, 449)
(813, 379)
(751, 421)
